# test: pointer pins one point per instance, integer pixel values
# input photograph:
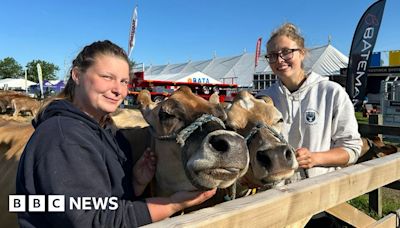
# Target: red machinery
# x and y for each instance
(159, 89)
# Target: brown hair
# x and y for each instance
(85, 59)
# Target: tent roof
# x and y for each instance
(17, 83)
(325, 60)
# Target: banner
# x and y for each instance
(375, 59)
(394, 58)
(26, 81)
(361, 50)
(258, 52)
(132, 32)
(40, 76)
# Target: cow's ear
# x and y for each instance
(267, 99)
(237, 116)
(219, 111)
(144, 100)
(214, 98)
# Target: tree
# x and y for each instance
(49, 70)
(10, 68)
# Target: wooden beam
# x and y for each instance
(351, 215)
(290, 203)
(388, 221)
(375, 129)
(299, 224)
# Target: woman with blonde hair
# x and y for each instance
(318, 115)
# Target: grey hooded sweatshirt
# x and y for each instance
(318, 116)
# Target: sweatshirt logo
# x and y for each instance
(311, 116)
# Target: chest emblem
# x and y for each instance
(311, 116)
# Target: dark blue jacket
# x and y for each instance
(70, 154)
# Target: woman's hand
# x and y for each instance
(305, 158)
(143, 171)
(185, 199)
(163, 207)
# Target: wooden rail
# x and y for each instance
(296, 202)
(375, 128)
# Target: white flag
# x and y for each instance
(132, 32)
(40, 76)
(26, 81)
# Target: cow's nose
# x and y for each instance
(280, 156)
(219, 143)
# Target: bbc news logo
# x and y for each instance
(56, 203)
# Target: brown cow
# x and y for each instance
(375, 148)
(194, 149)
(3, 106)
(7, 96)
(272, 160)
(19, 104)
(13, 138)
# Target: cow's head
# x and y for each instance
(374, 147)
(271, 158)
(194, 149)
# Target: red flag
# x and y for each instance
(131, 43)
(258, 52)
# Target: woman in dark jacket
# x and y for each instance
(71, 154)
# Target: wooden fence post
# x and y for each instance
(376, 119)
(375, 197)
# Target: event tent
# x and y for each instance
(325, 60)
(197, 76)
(15, 83)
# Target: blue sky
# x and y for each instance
(176, 31)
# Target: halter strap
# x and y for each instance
(185, 133)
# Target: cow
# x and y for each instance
(13, 138)
(272, 159)
(25, 104)
(3, 106)
(194, 150)
(7, 96)
(374, 147)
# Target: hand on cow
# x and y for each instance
(185, 199)
(305, 158)
(143, 171)
(163, 207)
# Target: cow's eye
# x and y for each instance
(165, 115)
(280, 120)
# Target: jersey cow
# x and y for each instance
(374, 147)
(25, 104)
(194, 149)
(272, 159)
(13, 138)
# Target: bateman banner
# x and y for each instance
(361, 50)
(132, 32)
(258, 51)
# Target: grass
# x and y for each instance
(390, 197)
(390, 203)
(360, 118)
